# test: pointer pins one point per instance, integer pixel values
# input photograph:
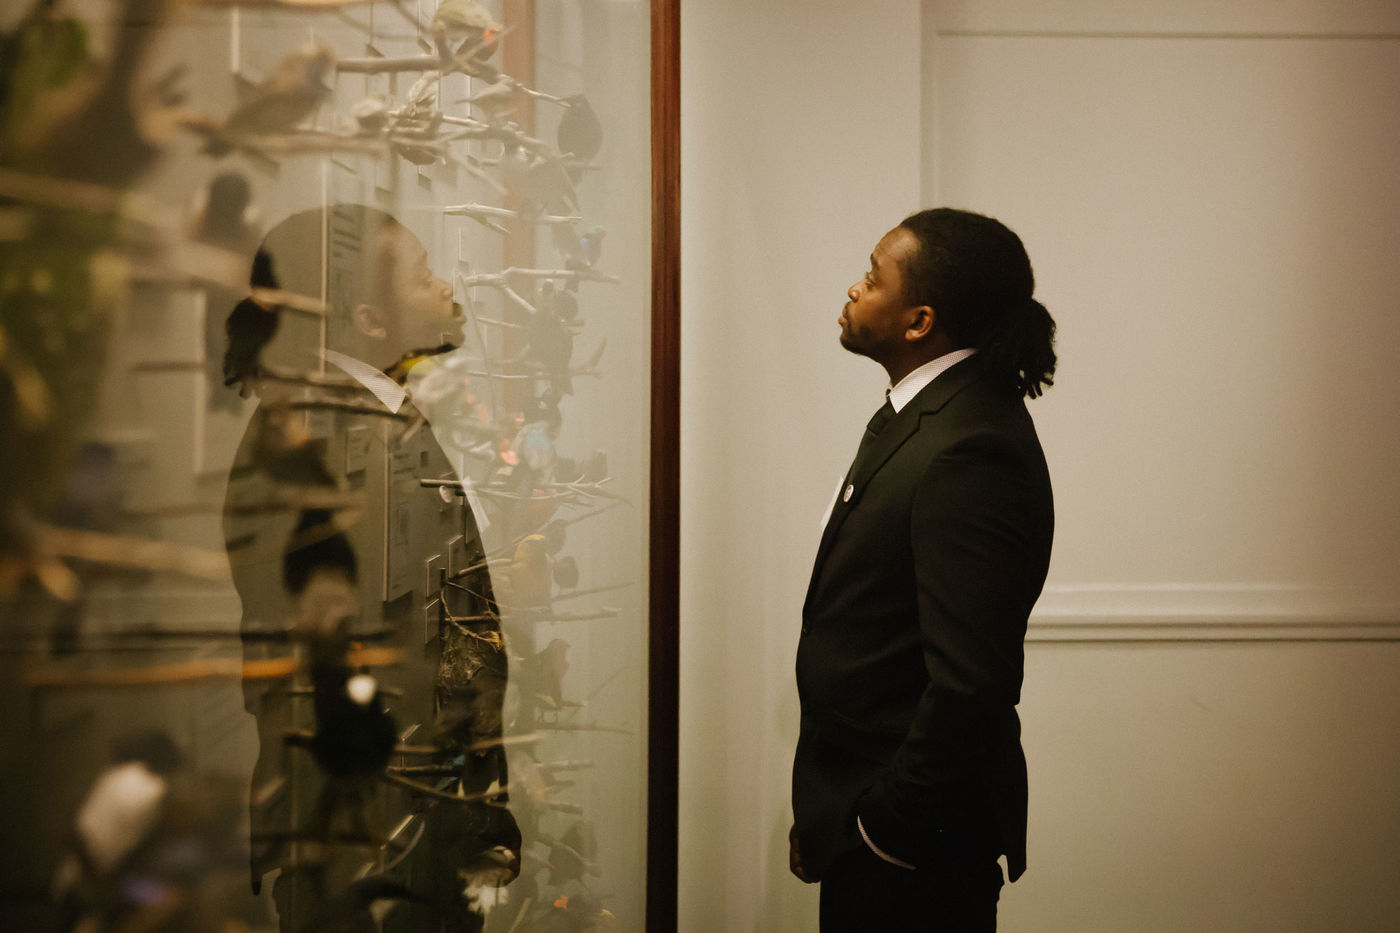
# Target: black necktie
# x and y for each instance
(877, 421)
(872, 429)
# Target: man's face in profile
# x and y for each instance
(416, 305)
(873, 320)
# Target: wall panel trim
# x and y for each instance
(1235, 612)
(1165, 34)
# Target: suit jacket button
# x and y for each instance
(850, 491)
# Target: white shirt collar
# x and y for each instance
(913, 383)
(381, 386)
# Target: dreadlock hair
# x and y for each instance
(975, 274)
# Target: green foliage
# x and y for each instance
(41, 54)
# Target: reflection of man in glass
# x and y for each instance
(375, 581)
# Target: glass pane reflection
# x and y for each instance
(323, 377)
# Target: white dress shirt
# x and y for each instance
(381, 386)
(912, 384)
(901, 395)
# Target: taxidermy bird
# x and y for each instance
(573, 853)
(566, 305)
(291, 93)
(544, 674)
(354, 735)
(467, 36)
(150, 842)
(580, 134)
(69, 116)
(353, 738)
(529, 574)
(495, 100)
(487, 873)
(578, 912)
(592, 243)
(284, 451)
(590, 249)
(125, 802)
(540, 180)
(372, 113)
(474, 845)
(466, 19)
(551, 343)
(223, 215)
(534, 445)
(565, 572)
(360, 908)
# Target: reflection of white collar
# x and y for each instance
(381, 386)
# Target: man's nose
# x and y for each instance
(853, 292)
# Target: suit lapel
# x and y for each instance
(903, 426)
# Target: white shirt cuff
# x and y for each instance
(876, 849)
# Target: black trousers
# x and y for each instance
(955, 890)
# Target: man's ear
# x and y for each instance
(369, 321)
(922, 321)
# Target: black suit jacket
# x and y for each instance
(910, 662)
(395, 533)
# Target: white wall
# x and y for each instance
(799, 150)
(1210, 201)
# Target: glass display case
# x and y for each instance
(337, 377)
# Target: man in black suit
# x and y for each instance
(335, 540)
(909, 780)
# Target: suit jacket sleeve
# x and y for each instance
(979, 529)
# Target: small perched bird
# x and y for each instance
(360, 908)
(580, 134)
(565, 571)
(355, 735)
(68, 113)
(538, 179)
(126, 802)
(495, 100)
(465, 18)
(530, 585)
(467, 37)
(223, 215)
(573, 853)
(574, 912)
(372, 113)
(353, 740)
(290, 94)
(150, 843)
(551, 344)
(590, 249)
(544, 673)
(592, 469)
(566, 305)
(284, 450)
(485, 874)
(534, 445)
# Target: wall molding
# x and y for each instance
(1190, 35)
(1233, 612)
